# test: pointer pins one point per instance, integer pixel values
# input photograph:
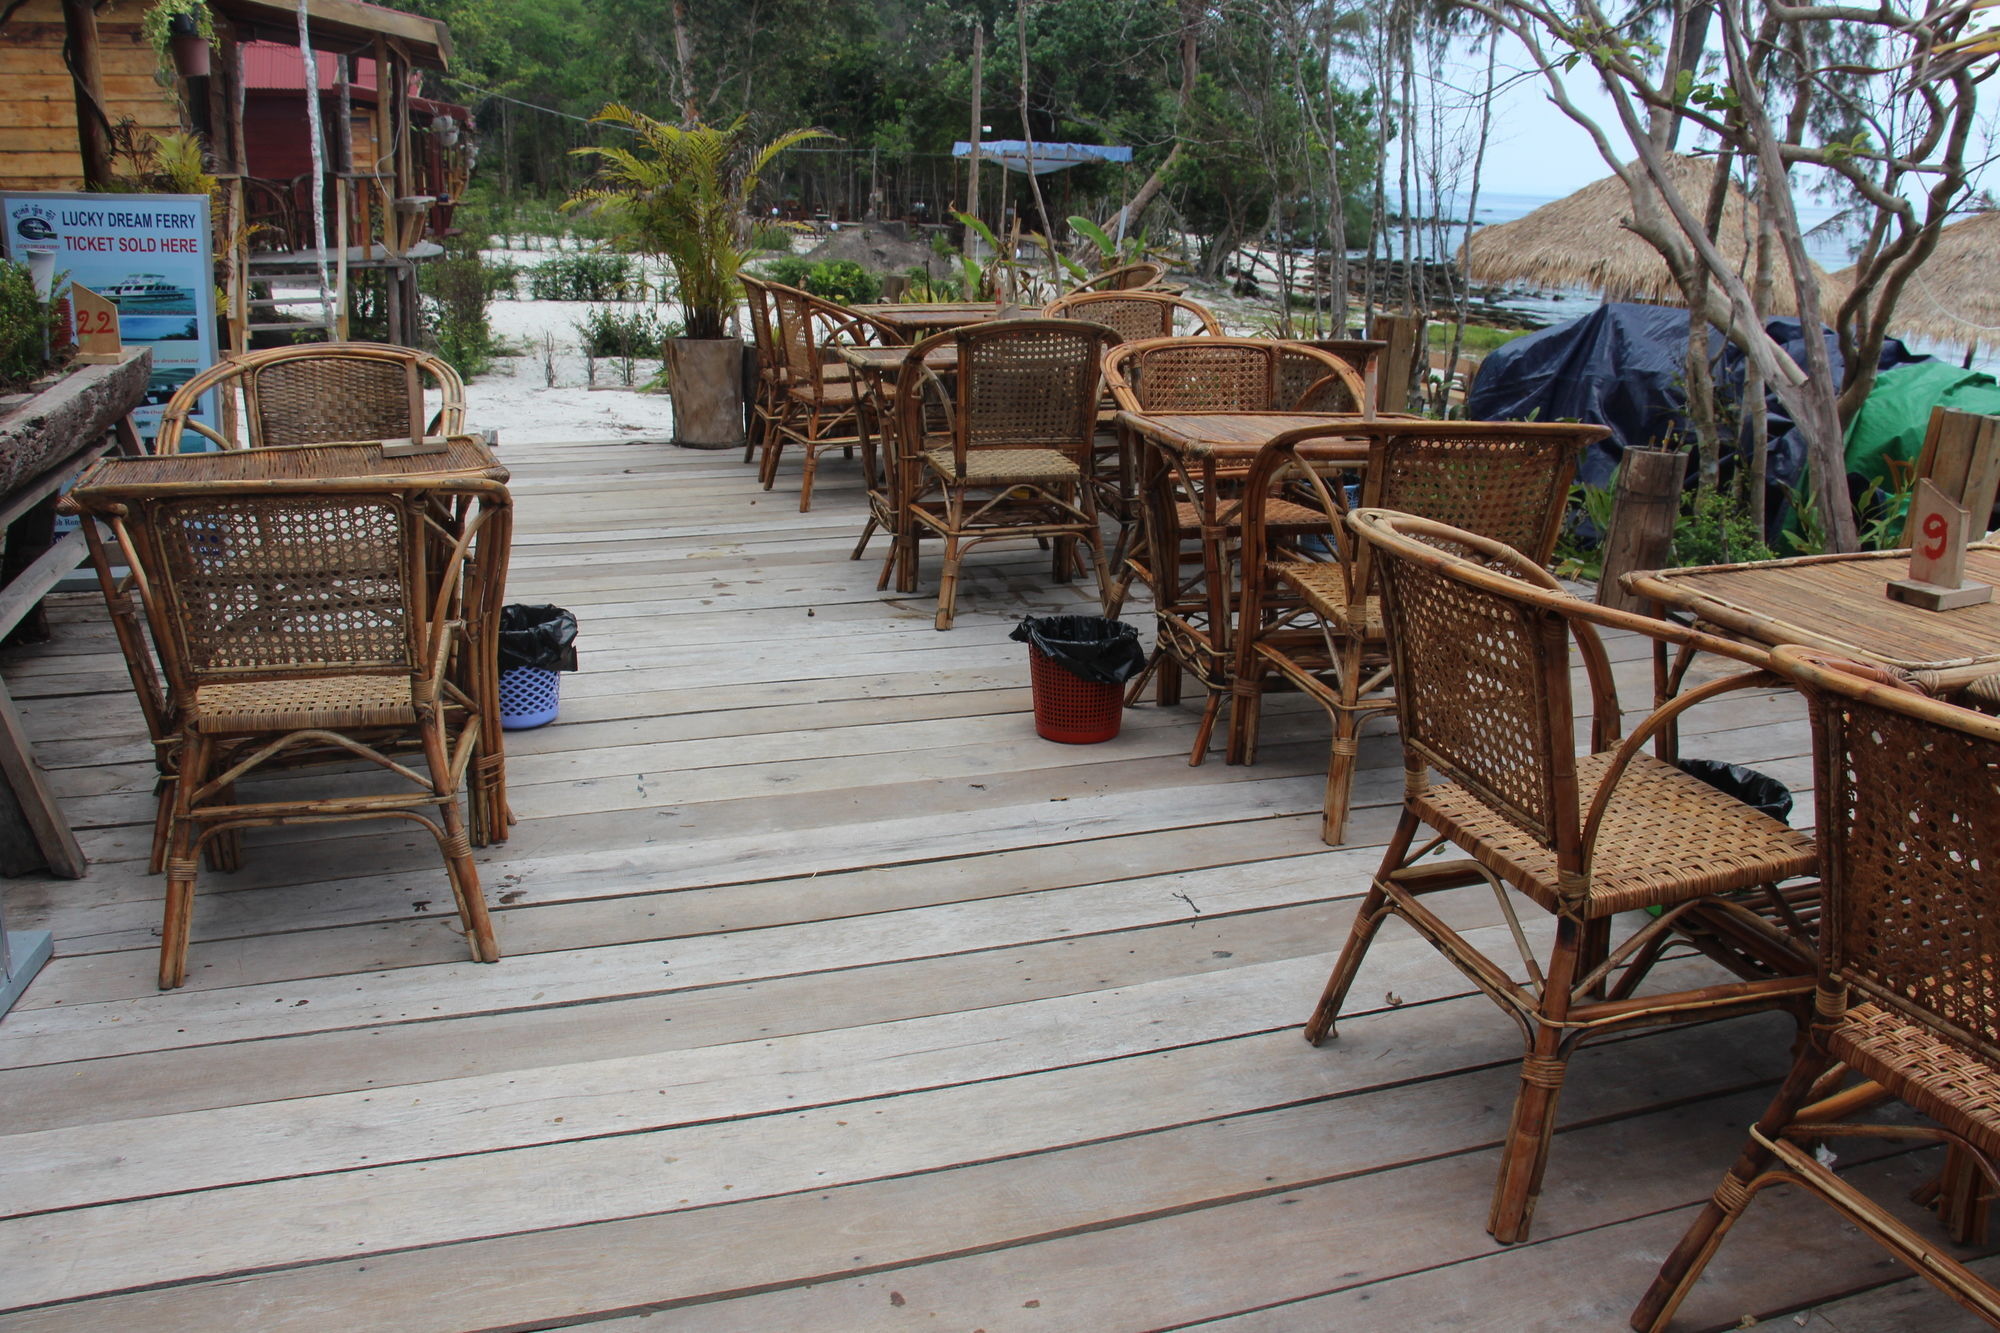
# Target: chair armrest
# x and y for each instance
(1601, 799)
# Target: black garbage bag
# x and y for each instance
(1089, 647)
(1747, 785)
(537, 636)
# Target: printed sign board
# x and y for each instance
(149, 255)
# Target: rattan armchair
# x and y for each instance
(1479, 637)
(823, 404)
(1191, 518)
(1137, 314)
(768, 399)
(1309, 616)
(1133, 316)
(1010, 460)
(320, 392)
(1124, 278)
(297, 620)
(1908, 998)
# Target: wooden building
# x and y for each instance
(380, 185)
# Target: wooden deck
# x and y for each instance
(833, 999)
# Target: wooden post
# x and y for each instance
(1399, 359)
(1642, 521)
(93, 124)
(978, 77)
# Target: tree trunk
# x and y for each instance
(1191, 16)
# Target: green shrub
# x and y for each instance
(844, 281)
(454, 291)
(24, 322)
(605, 331)
(774, 236)
(588, 276)
(840, 280)
(788, 270)
(1714, 530)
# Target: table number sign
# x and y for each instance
(1939, 530)
(97, 331)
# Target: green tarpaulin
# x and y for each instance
(1891, 423)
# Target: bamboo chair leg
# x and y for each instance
(1246, 715)
(223, 852)
(1525, 1154)
(1211, 709)
(163, 818)
(460, 868)
(1341, 763)
(1683, 1266)
(806, 482)
(178, 919)
(948, 582)
(1367, 920)
(867, 531)
(767, 472)
(1167, 692)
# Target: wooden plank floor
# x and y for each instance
(833, 999)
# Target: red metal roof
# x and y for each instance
(275, 65)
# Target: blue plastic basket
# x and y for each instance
(529, 697)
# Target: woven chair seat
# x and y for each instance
(1666, 838)
(1001, 467)
(1923, 1068)
(329, 702)
(832, 392)
(1322, 586)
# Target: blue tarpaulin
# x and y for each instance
(1013, 154)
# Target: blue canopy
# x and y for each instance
(1013, 154)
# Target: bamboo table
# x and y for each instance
(464, 459)
(915, 320)
(1836, 603)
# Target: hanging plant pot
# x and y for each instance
(188, 47)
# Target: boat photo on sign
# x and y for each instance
(149, 255)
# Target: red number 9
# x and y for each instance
(1935, 532)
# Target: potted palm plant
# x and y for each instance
(681, 194)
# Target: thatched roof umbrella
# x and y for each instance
(1580, 240)
(1955, 297)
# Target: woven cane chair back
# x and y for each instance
(763, 328)
(1908, 798)
(798, 345)
(1482, 675)
(320, 393)
(1028, 383)
(1138, 314)
(1210, 374)
(1306, 383)
(257, 587)
(1125, 278)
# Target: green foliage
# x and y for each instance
(775, 237)
(156, 21)
(840, 280)
(681, 194)
(1713, 529)
(586, 276)
(1805, 532)
(24, 324)
(1580, 554)
(454, 290)
(624, 334)
(1883, 511)
(844, 281)
(789, 271)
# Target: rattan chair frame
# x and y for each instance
(227, 576)
(1124, 278)
(317, 393)
(1134, 316)
(1189, 508)
(964, 490)
(768, 401)
(1908, 829)
(1480, 640)
(1309, 618)
(824, 407)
